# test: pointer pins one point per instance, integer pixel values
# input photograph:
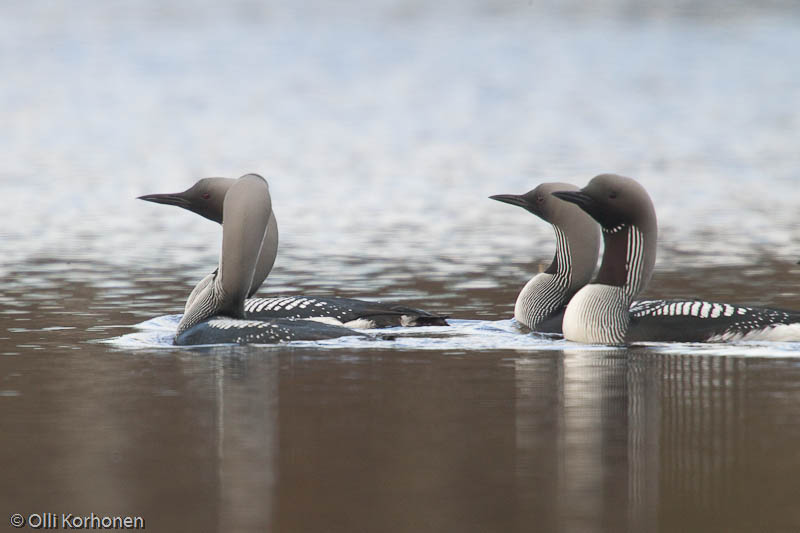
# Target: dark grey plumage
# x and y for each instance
(221, 329)
(702, 321)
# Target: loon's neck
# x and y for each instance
(206, 300)
(542, 297)
(628, 260)
(598, 313)
(547, 293)
(247, 210)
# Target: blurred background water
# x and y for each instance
(382, 128)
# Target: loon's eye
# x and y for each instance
(206, 196)
(539, 198)
(612, 194)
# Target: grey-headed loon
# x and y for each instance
(603, 312)
(542, 301)
(209, 198)
(214, 311)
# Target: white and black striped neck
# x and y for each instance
(598, 313)
(542, 300)
(547, 293)
(206, 300)
(628, 260)
(561, 266)
(539, 300)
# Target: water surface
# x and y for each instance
(382, 129)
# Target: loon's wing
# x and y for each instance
(341, 310)
(701, 321)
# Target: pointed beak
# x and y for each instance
(512, 199)
(579, 198)
(168, 199)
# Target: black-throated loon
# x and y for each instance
(541, 303)
(601, 312)
(214, 312)
(206, 198)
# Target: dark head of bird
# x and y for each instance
(614, 202)
(206, 197)
(630, 230)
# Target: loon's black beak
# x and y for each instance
(168, 199)
(579, 198)
(512, 199)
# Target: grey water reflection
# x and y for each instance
(247, 406)
(637, 442)
(583, 440)
(305, 439)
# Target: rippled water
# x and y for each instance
(382, 129)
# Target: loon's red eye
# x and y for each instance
(206, 196)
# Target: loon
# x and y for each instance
(541, 303)
(214, 312)
(207, 199)
(603, 312)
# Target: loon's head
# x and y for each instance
(630, 230)
(615, 202)
(540, 202)
(206, 197)
(576, 232)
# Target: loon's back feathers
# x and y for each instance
(347, 311)
(604, 310)
(207, 198)
(703, 321)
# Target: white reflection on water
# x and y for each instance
(469, 335)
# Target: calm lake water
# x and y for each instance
(382, 128)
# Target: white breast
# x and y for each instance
(597, 314)
(542, 295)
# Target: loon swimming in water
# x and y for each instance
(207, 198)
(214, 312)
(541, 303)
(601, 312)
